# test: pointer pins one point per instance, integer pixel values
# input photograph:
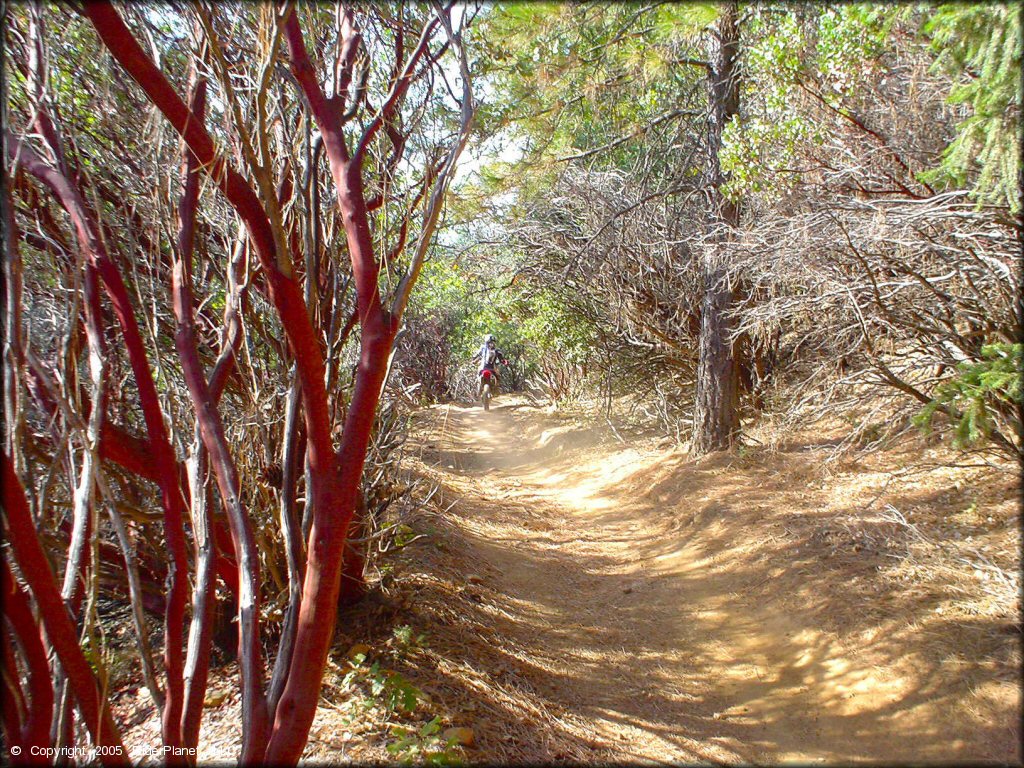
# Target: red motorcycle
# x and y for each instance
(488, 387)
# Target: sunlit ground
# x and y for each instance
(719, 610)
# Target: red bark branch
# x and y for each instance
(12, 698)
(53, 612)
(159, 445)
(197, 662)
(351, 40)
(283, 292)
(297, 705)
(318, 611)
(346, 174)
(398, 89)
(40, 683)
(128, 451)
(211, 430)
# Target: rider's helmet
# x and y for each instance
(488, 339)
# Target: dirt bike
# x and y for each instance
(488, 387)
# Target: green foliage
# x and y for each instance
(550, 328)
(530, 325)
(405, 638)
(834, 50)
(838, 51)
(384, 689)
(850, 40)
(979, 45)
(426, 745)
(404, 535)
(679, 22)
(374, 690)
(977, 391)
(574, 77)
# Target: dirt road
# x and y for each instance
(636, 605)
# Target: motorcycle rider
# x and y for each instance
(489, 356)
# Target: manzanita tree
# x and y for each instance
(287, 166)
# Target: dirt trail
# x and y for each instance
(658, 609)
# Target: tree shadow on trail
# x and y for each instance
(712, 614)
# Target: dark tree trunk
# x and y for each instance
(353, 580)
(716, 416)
